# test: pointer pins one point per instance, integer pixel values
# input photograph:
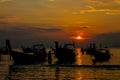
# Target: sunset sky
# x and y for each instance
(30, 21)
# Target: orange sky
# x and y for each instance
(58, 19)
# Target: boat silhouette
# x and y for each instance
(65, 54)
(97, 54)
(3, 51)
(23, 58)
(100, 56)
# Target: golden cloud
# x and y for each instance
(10, 19)
(106, 11)
(101, 1)
(51, 0)
(5, 0)
(117, 1)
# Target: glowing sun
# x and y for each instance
(79, 37)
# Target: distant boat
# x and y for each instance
(99, 54)
(65, 54)
(22, 58)
(3, 51)
(37, 48)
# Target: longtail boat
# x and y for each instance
(99, 54)
(65, 54)
(22, 58)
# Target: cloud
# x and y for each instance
(102, 1)
(111, 39)
(19, 31)
(5, 0)
(51, 0)
(9, 19)
(117, 1)
(110, 7)
(91, 9)
(1, 22)
(48, 29)
(114, 12)
(14, 23)
(27, 27)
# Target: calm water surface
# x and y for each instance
(41, 72)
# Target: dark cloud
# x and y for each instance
(23, 31)
(48, 29)
(2, 17)
(110, 39)
(79, 26)
(17, 30)
(1, 22)
(84, 27)
(29, 35)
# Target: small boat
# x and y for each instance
(65, 54)
(3, 51)
(37, 48)
(99, 54)
(22, 58)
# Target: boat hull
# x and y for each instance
(25, 59)
(65, 56)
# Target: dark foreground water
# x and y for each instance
(43, 72)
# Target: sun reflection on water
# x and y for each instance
(78, 57)
(79, 75)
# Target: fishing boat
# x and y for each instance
(98, 54)
(65, 54)
(22, 58)
(3, 51)
(37, 48)
(101, 56)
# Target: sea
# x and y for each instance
(43, 71)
